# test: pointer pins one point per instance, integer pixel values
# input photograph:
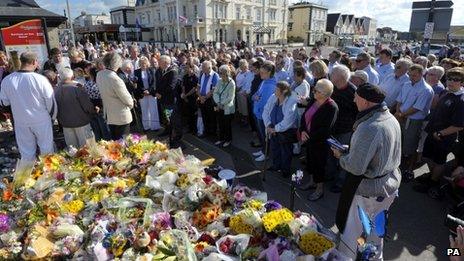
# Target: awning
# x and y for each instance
(261, 29)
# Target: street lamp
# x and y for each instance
(70, 23)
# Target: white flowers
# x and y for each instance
(297, 176)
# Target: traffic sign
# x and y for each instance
(428, 4)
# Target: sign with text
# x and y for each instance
(428, 32)
(25, 36)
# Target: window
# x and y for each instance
(258, 15)
(221, 11)
(237, 12)
(184, 11)
(272, 15)
(248, 10)
(195, 10)
(291, 14)
(290, 26)
(215, 10)
(159, 16)
(273, 2)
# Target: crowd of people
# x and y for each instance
(392, 113)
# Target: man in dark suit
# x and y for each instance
(125, 73)
(166, 84)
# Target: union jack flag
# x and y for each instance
(183, 19)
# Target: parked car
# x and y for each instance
(435, 48)
(352, 51)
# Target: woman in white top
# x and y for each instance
(301, 90)
(243, 79)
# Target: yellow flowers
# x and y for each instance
(272, 219)
(74, 206)
(183, 181)
(239, 227)
(254, 204)
(314, 244)
(144, 192)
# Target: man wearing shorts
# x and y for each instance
(444, 128)
(413, 106)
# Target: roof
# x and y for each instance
(332, 20)
(307, 4)
(118, 8)
(19, 10)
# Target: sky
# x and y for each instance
(392, 13)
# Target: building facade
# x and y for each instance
(252, 21)
(123, 15)
(307, 21)
(349, 28)
(91, 19)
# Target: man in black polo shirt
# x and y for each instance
(343, 95)
(447, 120)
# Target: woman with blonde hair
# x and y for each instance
(319, 71)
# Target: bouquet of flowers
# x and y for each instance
(313, 243)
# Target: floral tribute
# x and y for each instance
(136, 199)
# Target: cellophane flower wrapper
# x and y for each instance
(237, 245)
(122, 199)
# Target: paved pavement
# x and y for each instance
(415, 231)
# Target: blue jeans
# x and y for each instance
(333, 168)
(261, 131)
(281, 155)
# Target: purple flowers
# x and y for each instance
(272, 205)
(4, 223)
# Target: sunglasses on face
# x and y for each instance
(454, 79)
(358, 60)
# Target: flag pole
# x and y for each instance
(177, 21)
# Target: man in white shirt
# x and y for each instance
(395, 82)
(385, 67)
(32, 102)
(363, 62)
(334, 59)
(208, 81)
(134, 57)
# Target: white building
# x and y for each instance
(85, 19)
(254, 21)
(123, 15)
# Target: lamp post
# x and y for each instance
(70, 23)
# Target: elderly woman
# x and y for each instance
(316, 125)
(243, 79)
(280, 118)
(117, 101)
(145, 94)
(70, 98)
(266, 89)
(224, 97)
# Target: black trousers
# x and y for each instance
(118, 131)
(251, 116)
(316, 160)
(225, 125)
(209, 116)
(189, 111)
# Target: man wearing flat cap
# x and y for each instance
(372, 162)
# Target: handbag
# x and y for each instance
(288, 136)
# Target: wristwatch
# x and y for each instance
(439, 134)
